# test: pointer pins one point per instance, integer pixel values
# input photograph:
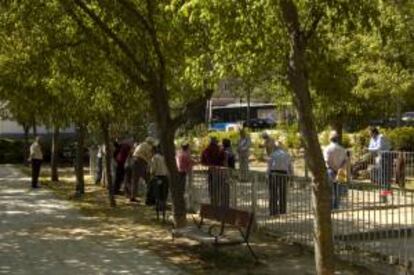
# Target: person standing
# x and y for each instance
(243, 149)
(184, 162)
(335, 158)
(99, 164)
(213, 158)
(185, 165)
(269, 143)
(230, 163)
(128, 172)
(120, 159)
(159, 172)
(379, 147)
(279, 169)
(36, 158)
(142, 156)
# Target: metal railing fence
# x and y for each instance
(365, 226)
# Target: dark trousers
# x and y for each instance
(335, 188)
(161, 194)
(183, 178)
(99, 170)
(36, 164)
(119, 176)
(278, 192)
(218, 187)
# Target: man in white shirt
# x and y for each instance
(335, 157)
(279, 169)
(379, 147)
(36, 157)
(378, 142)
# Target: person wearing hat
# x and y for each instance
(335, 158)
(269, 143)
(142, 156)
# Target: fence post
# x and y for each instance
(254, 192)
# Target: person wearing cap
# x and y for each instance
(379, 147)
(335, 158)
(142, 156)
(243, 149)
(269, 143)
(279, 169)
(213, 157)
(36, 158)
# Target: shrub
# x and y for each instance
(11, 151)
(402, 139)
(293, 138)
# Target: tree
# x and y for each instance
(151, 44)
(288, 34)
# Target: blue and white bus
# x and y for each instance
(232, 116)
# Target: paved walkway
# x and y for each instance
(40, 234)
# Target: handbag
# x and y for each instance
(342, 175)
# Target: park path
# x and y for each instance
(40, 234)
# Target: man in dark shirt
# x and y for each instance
(213, 157)
(120, 158)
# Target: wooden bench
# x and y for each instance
(215, 234)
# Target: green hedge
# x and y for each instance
(11, 151)
(402, 139)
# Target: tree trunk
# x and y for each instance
(321, 191)
(54, 162)
(177, 187)
(26, 130)
(399, 111)
(34, 126)
(166, 132)
(249, 91)
(107, 163)
(80, 180)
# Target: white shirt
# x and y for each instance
(36, 151)
(379, 143)
(280, 160)
(244, 146)
(158, 166)
(335, 156)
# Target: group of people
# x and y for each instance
(132, 163)
(220, 157)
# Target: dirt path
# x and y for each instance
(40, 234)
